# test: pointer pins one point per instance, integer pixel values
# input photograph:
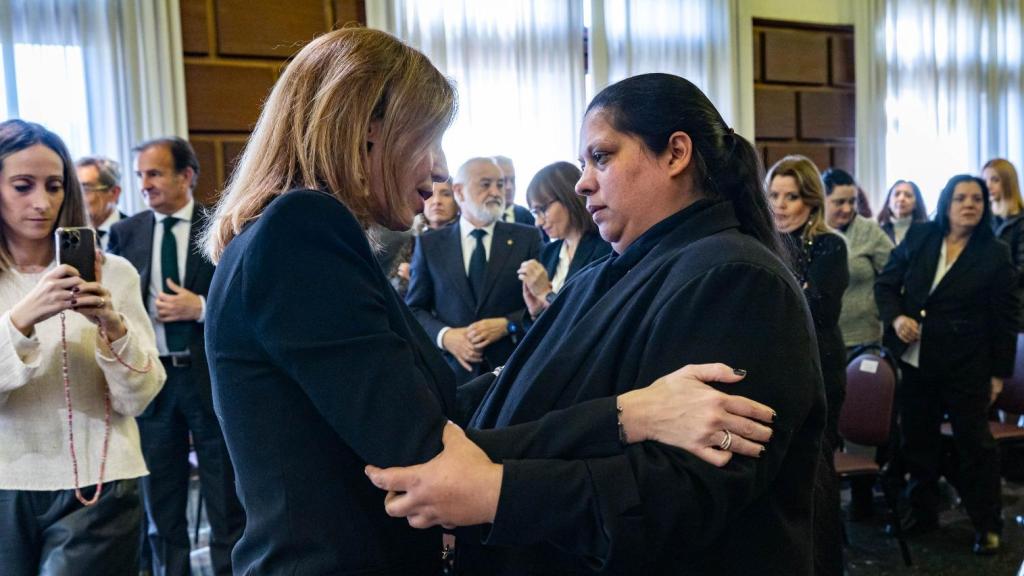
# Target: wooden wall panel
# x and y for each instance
(234, 52)
(195, 37)
(795, 56)
(268, 27)
(348, 11)
(206, 153)
(804, 92)
(819, 154)
(844, 157)
(225, 98)
(775, 113)
(827, 115)
(843, 72)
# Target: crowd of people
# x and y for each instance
(641, 371)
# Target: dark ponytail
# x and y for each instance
(653, 106)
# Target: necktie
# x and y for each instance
(478, 265)
(176, 332)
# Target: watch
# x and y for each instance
(550, 297)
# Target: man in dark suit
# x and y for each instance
(162, 245)
(101, 186)
(513, 212)
(464, 289)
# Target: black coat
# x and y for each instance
(318, 369)
(133, 239)
(968, 331)
(439, 293)
(704, 293)
(592, 247)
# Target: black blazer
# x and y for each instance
(439, 293)
(133, 239)
(968, 327)
(705, 293)
(592, 247)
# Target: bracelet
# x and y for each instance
(622, 429)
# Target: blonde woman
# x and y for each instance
(818, 257)
(1007, 208)
(317, 366)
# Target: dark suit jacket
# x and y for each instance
(705, 293)
(133, 239)
(522, 215)
(439, 293)
(319, 368)
(592, 247)
(968, 326)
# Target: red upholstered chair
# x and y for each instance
(867, 419)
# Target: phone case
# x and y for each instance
(76, 247)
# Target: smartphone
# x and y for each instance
(77, 247)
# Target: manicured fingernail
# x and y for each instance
(74, 290)
(774, 416)
(739, 371)
(763, 450)
(74, 302)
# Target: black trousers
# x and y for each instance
(51, 533)
(923, 401)
(164, 428)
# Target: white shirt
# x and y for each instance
(912, 355)
(509, 215)
(114, 217)
(468, 246)
(562, 269)
(181, 231)
(33, 415)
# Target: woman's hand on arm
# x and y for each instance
(458, 487)
(681, 410)
(52, 295)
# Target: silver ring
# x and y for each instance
(726, 442)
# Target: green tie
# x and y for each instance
(176, 332)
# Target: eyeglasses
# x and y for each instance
(539, 211)
(94, 188)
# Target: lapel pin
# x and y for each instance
(510, 242)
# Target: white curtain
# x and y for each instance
(954, 88)
(518, 66)
(695, 39)
(870, 61)
(104, 74)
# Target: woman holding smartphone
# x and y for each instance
(79, 362)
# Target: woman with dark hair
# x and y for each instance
(904, 205)
(318, 367)
(868, 250)
(562, 215)
(79, 362)
(947, 300)
(695, 276)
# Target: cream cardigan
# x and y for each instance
(34, 451)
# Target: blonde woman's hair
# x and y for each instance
(812, 189)
(1011, 185)
(313, 130)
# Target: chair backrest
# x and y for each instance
(866, 416)
(1012, 398)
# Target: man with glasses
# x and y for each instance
(101, 187)
(463, 287)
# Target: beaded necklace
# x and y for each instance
(106, 417)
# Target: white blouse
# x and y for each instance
(34, 452)
(912, 355)
(562, 269)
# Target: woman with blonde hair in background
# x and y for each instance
(818, 258)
